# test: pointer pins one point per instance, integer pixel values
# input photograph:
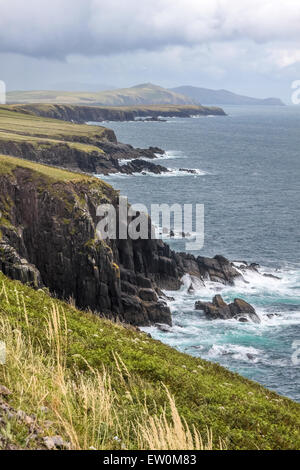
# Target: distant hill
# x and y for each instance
(221, 97)
(145, 94)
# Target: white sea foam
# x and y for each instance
(173, 172)
(172, 154)
(164, 234)
(168, 155)
(261, 292)
(235, 351)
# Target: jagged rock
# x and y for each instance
(157, 150)
(219, 309)
(129, 288)
(148, 295)
(16, 267)
(138, 166)
(105, 161)
(50, 241)
(218, 269)
(143, 281)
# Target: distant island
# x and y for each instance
(222, 97)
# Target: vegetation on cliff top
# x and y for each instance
(17, 128)
(21, 123)
(8, 164)
(99, 384)
(142, 94)
(35, 109)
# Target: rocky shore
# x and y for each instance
(48, 222)
(106, 158)
(218, 309)
(76, 147)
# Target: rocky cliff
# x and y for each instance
(78, 147)
(103, 157)
(122, 113)
(48, 222)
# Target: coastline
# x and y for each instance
(47, 226)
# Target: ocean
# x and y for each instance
(248, 168)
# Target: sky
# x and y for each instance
(246, 46)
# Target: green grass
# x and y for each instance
(20, 124)
(142, 94)
(43, 143)
(143, 109)
(243, 414)
(46, 176)
(9, 164)
(45, 134)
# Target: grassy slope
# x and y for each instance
(33, 108)
(243, 414)
(144, 94)
(53, 175)
(18, 127)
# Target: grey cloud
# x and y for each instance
(59, 28)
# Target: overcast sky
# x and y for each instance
(247, 46)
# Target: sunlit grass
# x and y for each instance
(83, 407)
(12, 122)
(108, 386)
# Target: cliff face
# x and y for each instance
(123, 113)
(48, 224)
(103, 158)
(48, 238)
(77, 147)
(62, 155)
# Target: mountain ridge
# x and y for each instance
(142, 94)
(223, 97)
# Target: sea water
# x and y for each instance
(248, 168)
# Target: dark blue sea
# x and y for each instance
(248, 169)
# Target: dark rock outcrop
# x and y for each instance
(15, 267)
(140, 166)
(105, 161)
(217, 269)
(83, 114)
(48, 239)
(219, 309)
(188, 170)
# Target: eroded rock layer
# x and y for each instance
(48, 225)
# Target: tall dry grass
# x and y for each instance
(82, 406)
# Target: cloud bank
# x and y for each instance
(248, 46)
(59, 28)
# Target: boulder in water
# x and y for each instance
(218, 309)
